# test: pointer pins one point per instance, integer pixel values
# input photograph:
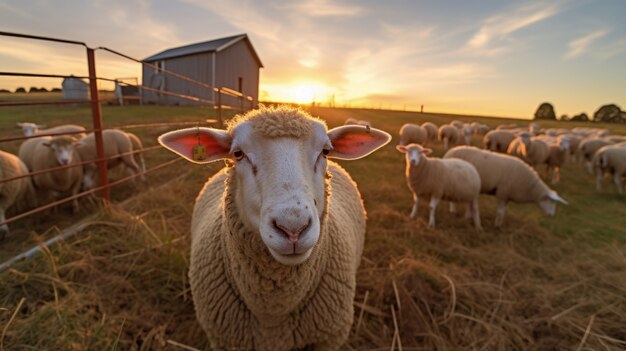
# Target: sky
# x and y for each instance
(488, 57)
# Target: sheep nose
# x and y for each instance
(291, 228)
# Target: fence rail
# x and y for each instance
(94, 100)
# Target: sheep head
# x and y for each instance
(414, 153)
(280, 160)
(63, 148)
(30, 129)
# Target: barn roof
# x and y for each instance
(215, 45)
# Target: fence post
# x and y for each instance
(96, 115)
(219, 107)
(242, 97)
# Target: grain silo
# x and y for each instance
(75, 89)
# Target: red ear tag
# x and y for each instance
(199, 151)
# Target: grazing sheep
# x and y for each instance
(515, 148)
(54, 152)
(588, 149)
(115, 142)
(558, 152)
(31, 129)
(610, 159)
(481, 129)
(413, 134)
(615, 138)
(498, 140)
(278, 236)
(137, 145)
(14, 192)
(534, 151)
(457, 124)
(431, 130)
(438, 179)
(508, 179)
(466, 133)
(449, 136)
(573, 142)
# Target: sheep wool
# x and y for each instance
(431, 131)
(413, 134)
(16, 193)
(449, 135)
(498, 140)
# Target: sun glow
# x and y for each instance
(298, 92)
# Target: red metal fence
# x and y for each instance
(95, 101)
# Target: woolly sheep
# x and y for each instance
(137, 145)
(413, 134)
(466, 133)
(534, 151)
(573, 142)
(278, 236)
(457, 124)
(16, 191)
(508, 179)
(588, 149)
(498, 140)
(481, 129)
(534, 128)
(438, 179)
(610, 159)
(558, 152)
(448, 135)
(431, 130)
(115, 142)
(31, 129)
(55, 152)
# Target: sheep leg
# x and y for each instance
(557, 175)
(75, 190)
(599, 180)
(468, 210)
(617, 178)
(129, 161)
(433, 207)
(416, 201)
(501, 209)
(445, 143)
(4, 229)
(452, 206)
(476, 214)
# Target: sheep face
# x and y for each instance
(63, 148)
(29, 129)
(279, 171)
(548, 203)
(414, 153)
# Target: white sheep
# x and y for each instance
(449, 136)
(558, 152)
(589, 147)
(115, 142)
(413, 134)
(481, 129)
(15, 192)
(466, 133)
(49, 152)
(277, 237)
(610, 159)
(498, 140)
(438, 179)
(32, 129)
(533, 151)
(137, 145)
(431, 130)
(457, 124)
(508, 179)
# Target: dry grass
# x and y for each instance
(536, 284)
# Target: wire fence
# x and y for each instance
(97, 127)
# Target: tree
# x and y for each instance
(610, 113)
(582, 117)
(5, 91)
(33, 90)
(20, 90)
(545, 111)
(56, 90)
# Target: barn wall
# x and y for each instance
(234, 62)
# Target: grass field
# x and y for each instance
(538, 283)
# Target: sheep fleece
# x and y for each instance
(244, 299)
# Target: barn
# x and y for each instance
(229, 62)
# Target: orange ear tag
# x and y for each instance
(199, 151)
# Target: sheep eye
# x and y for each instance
(238, 155)
(325, 152)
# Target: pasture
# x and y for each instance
(537, 283)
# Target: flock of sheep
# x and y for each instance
(504, 168)
(38, 154)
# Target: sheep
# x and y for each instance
(54, 152)
(498, 140)
(438, 179)
(533, 151)
(413, 134)
(507, 126)
(558, 152)
(115, 142)
(466, 133)
(32, 129)
(15, 192)
(448, 135)
(610, 159)
(573, 142)
(352, 121)
(481, 129)
(615, 138)
(534, 128)
(278, 235)
(137, 145)
(588, 148)
(457, 124)
(431, 130)
(508, 179)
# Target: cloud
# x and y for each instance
(581, 45)
(323, 8)
(494, 35)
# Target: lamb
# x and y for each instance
(32, 129)
(588, 149)
(55, 152)
(413, 134)
(448, 135)
(431, 130)
(14, 192)
(558, 152)
(450, 180)
(276, 237)
(115, 142)
(508, 179)
(611, 159)
(498, 140)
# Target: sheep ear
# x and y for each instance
(352, 142)
(554, 196)
(401, 148)
(427, 151)
(198, 145)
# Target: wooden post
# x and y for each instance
(96, 115)
(219, 107)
